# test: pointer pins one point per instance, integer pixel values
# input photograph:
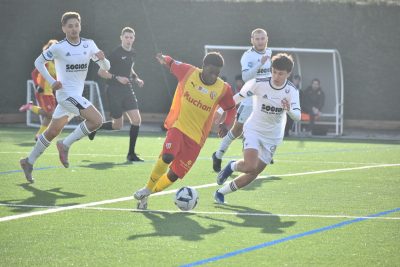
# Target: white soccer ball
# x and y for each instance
(186, 198)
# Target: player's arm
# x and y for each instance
(136, 78)
(105, 74)
(100, 59)
(228, 105)
(246, 91)
(177, 68)
(40, 64)
(248, 70)
(293, 107)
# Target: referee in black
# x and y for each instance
(120, 78)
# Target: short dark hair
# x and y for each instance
(70, 15)
(214, 59)
(127, 29)
(282, 61)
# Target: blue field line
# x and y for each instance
(278, 241)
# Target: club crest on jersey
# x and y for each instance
(287, 90)
(85, 45)
(249, 93)
(250, 64)
(213, 94)
(168, 145)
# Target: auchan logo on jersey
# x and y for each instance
(196, 102)
(76, 67)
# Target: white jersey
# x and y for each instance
(269, 118)
(252, 68)
(72, 64)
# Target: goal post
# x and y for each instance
(91, 92)
(324, 64)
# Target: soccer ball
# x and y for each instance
(186, 198)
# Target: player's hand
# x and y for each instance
(285, 104)
(56, 85)
(123, 80)
(160, 58)
(139, 82)
(222, 130)
(100, 55)
(264, 59)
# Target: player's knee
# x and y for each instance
(249, 168)
(167, 158)
(172, 176)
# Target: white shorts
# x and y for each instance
(243, 113)
(265, 148)
(71, 106)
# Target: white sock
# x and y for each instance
(228, 188)
(41, 144)
(77, 134)
(225, 143)
(233, 166)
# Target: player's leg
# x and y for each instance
(47, 104)
(135, 121)
(171, 147)
(239, 182)
(236, 130)
(115, 100)
(78, 105)
(131, 108)
(55, 127)
(257, 154)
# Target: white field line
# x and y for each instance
(213, 212)
(110, 201)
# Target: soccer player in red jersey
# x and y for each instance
(198, 94)
(43, 93)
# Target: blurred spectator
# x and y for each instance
(312, 102)
(296, 80)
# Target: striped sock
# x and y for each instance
(41, 144)
(77, 134)
(225, 143)
(228, 188)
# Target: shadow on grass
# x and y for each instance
(176, 224)
(107, 165)
(26, 144)
(258, 182)
(267, 222)
(41, 198)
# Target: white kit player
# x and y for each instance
(264, 129)
(71, 57)
(256, 63)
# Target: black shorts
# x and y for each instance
(121, 99)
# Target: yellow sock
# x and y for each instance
(41, 129)
(159, 169)
(162, 183)
(36, 109)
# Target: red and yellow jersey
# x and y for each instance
(39, 80)
(194, 102)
